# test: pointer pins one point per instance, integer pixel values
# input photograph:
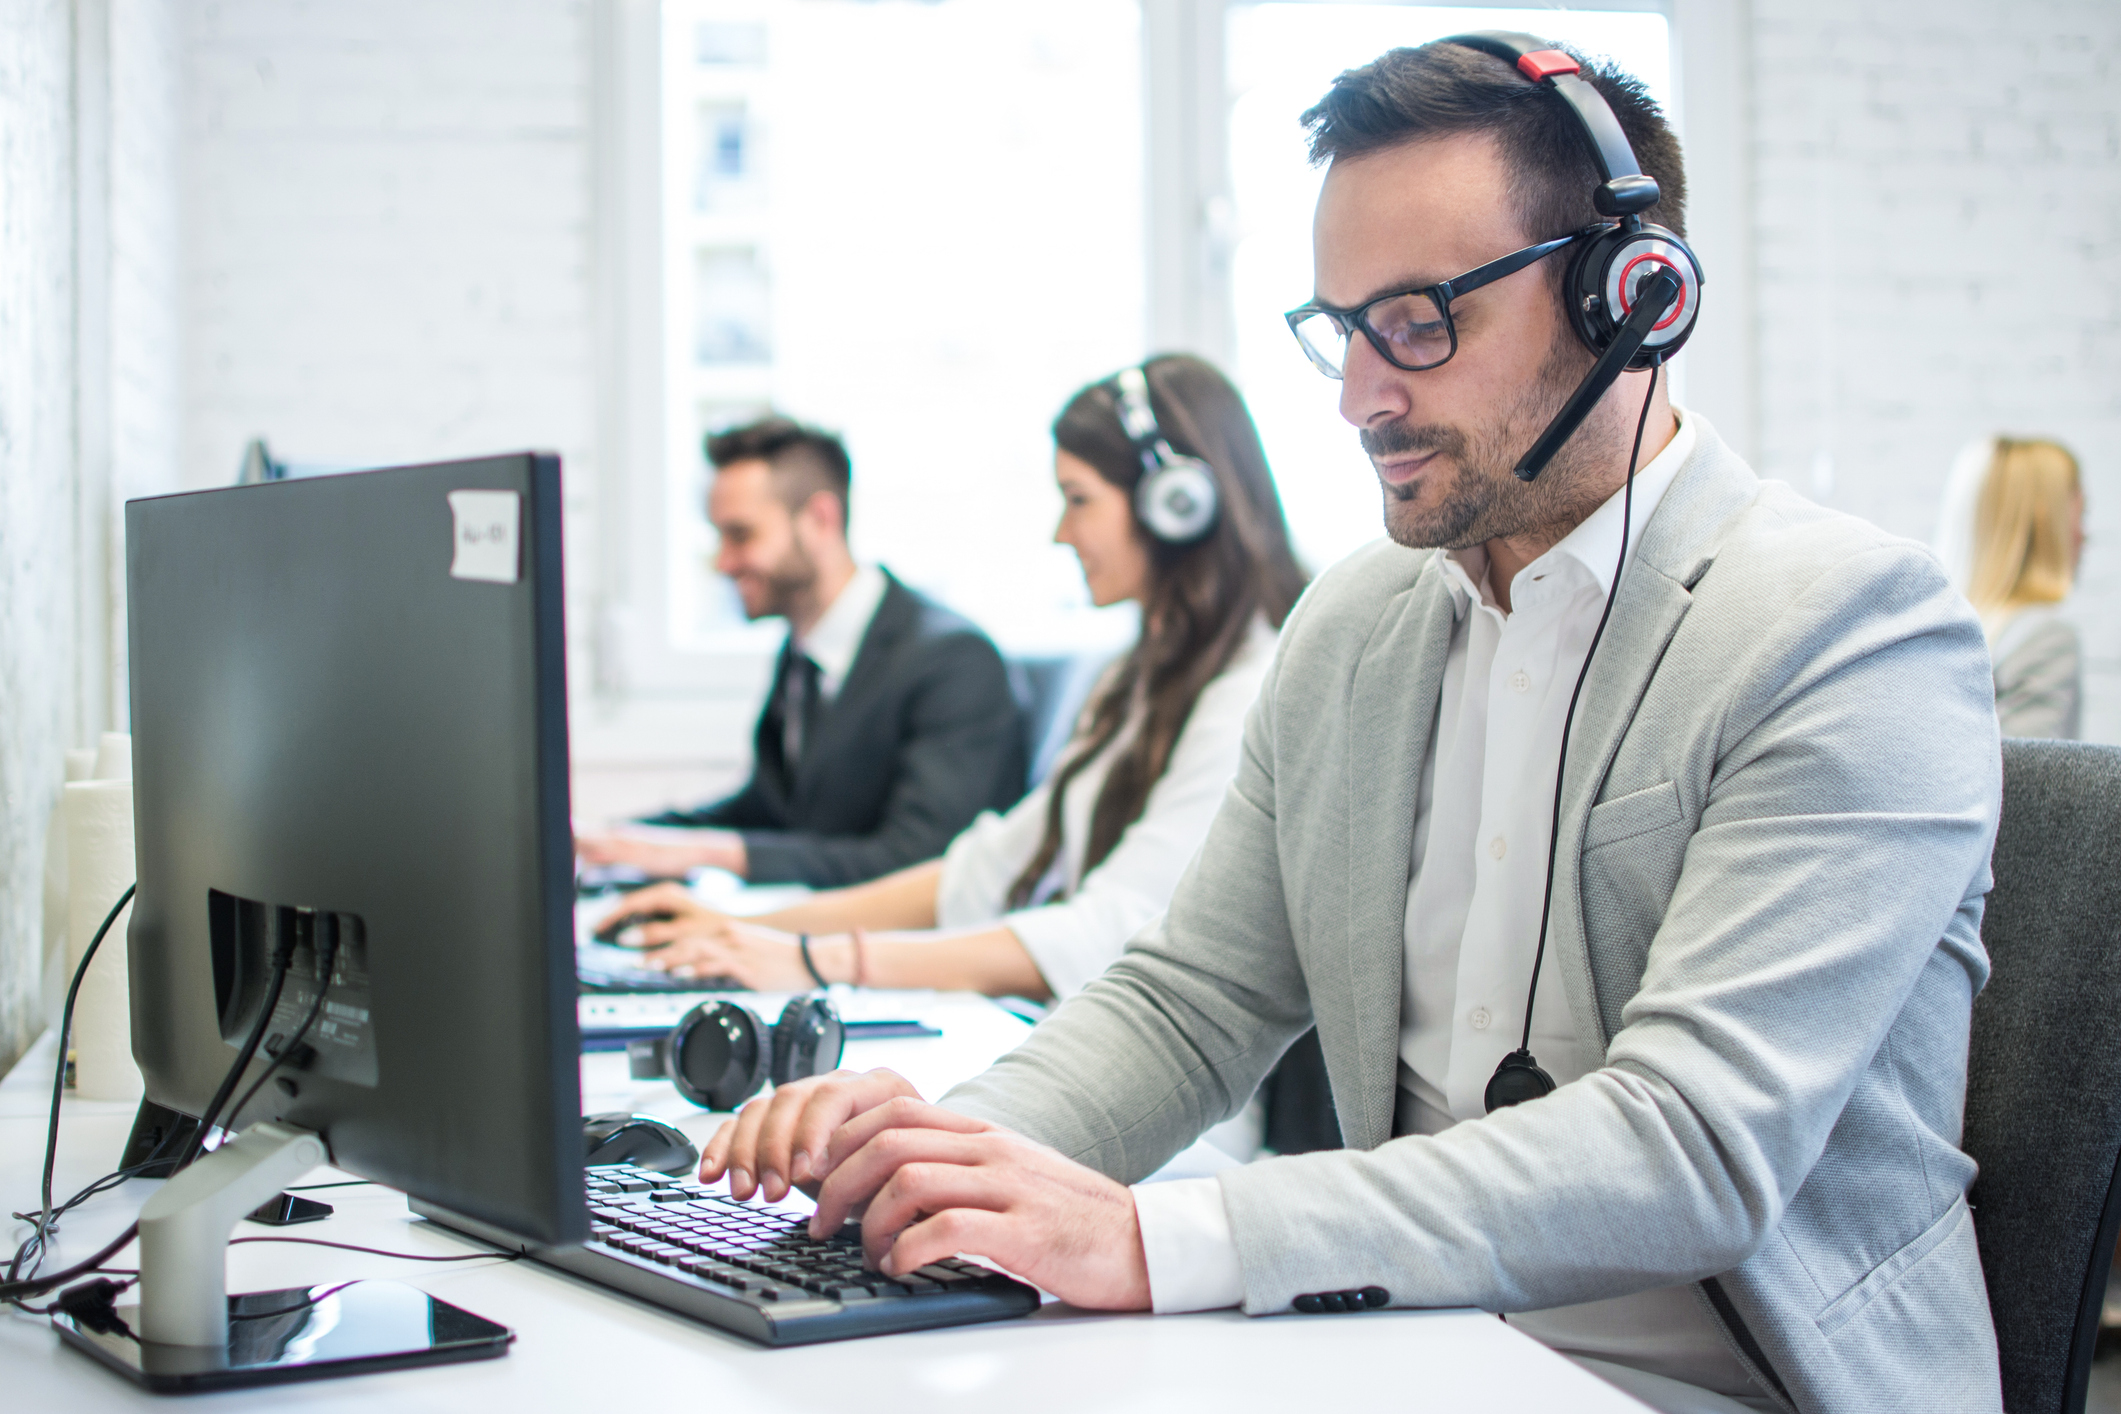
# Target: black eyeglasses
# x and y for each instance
(1410, 329)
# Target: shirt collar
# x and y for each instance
(837, 635)
(1595, 543)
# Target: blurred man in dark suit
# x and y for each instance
(890, 725)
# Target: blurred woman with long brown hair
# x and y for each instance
(1038, 902)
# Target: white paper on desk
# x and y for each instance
(99, 862)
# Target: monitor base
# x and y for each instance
(301, 1333)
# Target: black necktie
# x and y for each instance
(799, 704)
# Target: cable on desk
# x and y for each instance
(32, 1248)
(31, 1252)
(379, 1252)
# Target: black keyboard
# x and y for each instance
(757, 1271)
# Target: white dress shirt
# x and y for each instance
(1085, 928)
(1481, 826)
(836, 637)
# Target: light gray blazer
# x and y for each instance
(1775, 832)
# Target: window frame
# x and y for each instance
(1189, 240)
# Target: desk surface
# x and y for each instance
(581, 1347)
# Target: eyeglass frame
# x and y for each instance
(1440, 294)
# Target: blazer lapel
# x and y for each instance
(1651, 601)
(1392, 712)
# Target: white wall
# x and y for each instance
(389, 236)
(1938, 233)
(89, 402)
(36, 493)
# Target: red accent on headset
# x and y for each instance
(1545, 63)
(1627, 300)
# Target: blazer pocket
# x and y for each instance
(1636, 813)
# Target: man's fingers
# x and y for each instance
(715, 1157)
(856, 1179)
(905, 1110)
(774, 1149)
(743, 1149)
(992, 1233)
(921, 1189)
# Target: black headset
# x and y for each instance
(718, 1060)
(1633, 292)
(1610, 271)
(1176, 500)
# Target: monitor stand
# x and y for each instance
(186, 1333)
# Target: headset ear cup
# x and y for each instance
(808, 1040)
(715, 1057)
(1177, 503)
(1604, 274)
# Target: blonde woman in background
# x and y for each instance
(2011, 536)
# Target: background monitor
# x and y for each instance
(349, 711)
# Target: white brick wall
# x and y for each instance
(388, 233)
(36, 491)
(1938, 207)
(89, 403)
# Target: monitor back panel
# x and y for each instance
(327, 718)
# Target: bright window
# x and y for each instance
(919, 225)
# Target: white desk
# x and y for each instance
(579, 1347)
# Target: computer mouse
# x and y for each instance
(609, 933)
(621, 1138)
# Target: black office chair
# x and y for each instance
(2043, 1096)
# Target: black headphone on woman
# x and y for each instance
(1612, 264)
(717, 1059)
(1176, 500)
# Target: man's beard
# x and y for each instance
(788, 583)
(1484, 499)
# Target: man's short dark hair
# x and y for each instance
(804, 460)
(1441, 90)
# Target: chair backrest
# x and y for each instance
(2043, 1098)
(1051, 691)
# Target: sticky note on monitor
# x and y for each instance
(488, 535)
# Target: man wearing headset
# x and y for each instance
(1753, 901)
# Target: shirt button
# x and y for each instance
(1520, 681)
(1497, 848)
(1479, 1018)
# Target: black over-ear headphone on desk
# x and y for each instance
(1633, 292)
(717, 1058)
(1176, 500)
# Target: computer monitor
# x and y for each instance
(349, 713)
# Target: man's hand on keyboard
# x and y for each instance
(929, 1183)
(670, 853)
(779, 1141)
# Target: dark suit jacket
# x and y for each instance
(923, 735)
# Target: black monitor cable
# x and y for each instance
(32, 1249)
(30, 1254)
